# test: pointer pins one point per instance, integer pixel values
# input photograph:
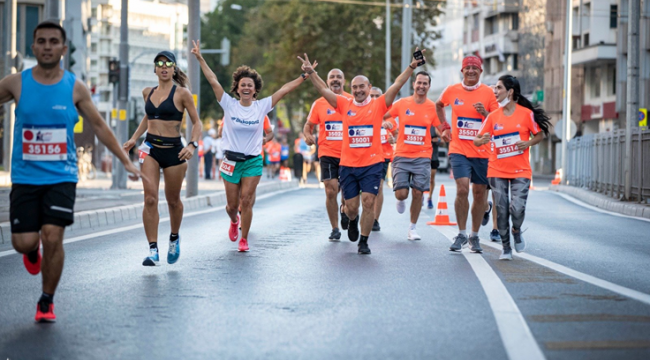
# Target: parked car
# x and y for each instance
(443, 158)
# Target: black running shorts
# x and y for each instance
(329, 168)
(32, 206)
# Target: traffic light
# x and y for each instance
(71, 50)
(113, 71)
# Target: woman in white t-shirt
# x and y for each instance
(243, 136)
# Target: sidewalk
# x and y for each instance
(604, 202)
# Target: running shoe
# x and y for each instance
(375, 226)
(401, 206)
(486, 216)
(494, 235)
(353, 229)
(474, 244)
(33, 267)
(429, 204)
(233, 232)
(152, 259)
(243, 245)
(506, 253)
(174, 251)
(45, 312)
(459, 241)
(335, 235)
(413, 235)
(345, 220)
(363, 247)
(520, 244)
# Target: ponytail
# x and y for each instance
(181, 78)
(542, 120)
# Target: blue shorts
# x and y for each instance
(360, 179)
(473, 168)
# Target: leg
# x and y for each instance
(494, 211)
(352, 207)
(500, 188)
(232, 199)
(416, 205)
(331, 190)
(479, 205)
(461, 204)
(248, 187)
(53, 256)
(174, 176)
(150, 216)
(432, 183)
(25, 243)
(368, 214)
(519, 196)
(379, 201)
(420, 182)
(207, 157)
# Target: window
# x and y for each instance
(27, 17)
(586, 41)
(515, 62)
(595, 81)
(576, 42)
(515, 22)
(613, 14)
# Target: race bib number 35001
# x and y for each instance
(45, 143)
(334, 130)
(468, 128)
(360, 136)
(414, 135)
(506, 145)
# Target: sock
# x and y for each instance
(412, 227)
(364, 238)
(515, 231)
(153, 245)
(46, 298)
(173, 237)
(474, 233)
(32, 256)
(463, 232)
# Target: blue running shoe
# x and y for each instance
(429, 204)
(486, 216)
(152, 259)
(174, 251)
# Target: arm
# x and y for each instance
(285, 89)
(268, 135)
(522, 145)
(319, 84)
(308, 131)
(197, 127)
(392, 91)
(440, 111)
(7, 87)
(480, 140)
(207, 72)
(144, 125)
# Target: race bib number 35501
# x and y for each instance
(360, 136)
(414, 135)
(468, 128)
(45, 143)
(506, 145)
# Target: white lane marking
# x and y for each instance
(594, 208)
(137, 226)
(517, 338)
(621, 290)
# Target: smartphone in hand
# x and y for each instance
(418, 56)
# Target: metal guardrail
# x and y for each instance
(595, 162)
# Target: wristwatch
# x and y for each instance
(194, 143)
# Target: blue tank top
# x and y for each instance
(44, 152)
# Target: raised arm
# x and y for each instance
(319, 84)
(392, 91)
(207, 72)
(285, 89)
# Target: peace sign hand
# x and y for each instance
(196, 50)
(307, 66)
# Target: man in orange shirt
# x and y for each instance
(361, 153)
(470, 103)
(412, 162)
(330, 137)
(387, 141)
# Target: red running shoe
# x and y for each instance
(33, 268)
(233, 232)
(45, 313)
(243, 245)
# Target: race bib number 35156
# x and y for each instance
(468, 128)
(45, 143)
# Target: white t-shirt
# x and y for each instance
(217, 147)
(243, 127)
(207, 144)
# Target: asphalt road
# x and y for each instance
(296, 295)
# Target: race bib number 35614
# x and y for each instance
(45, 143)
(360, 136)
(506, 145)
(468, 128)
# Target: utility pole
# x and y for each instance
(194, 74)
(634, 17)
(53, 10)
(406, 44)
(122, 124)
(10, 61)
(388, 43)
(566, 108)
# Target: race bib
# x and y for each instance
(360, 136)
(414, 135)
(143, 151)
(468, 128)
(505, 145)
(45, 143)
(227, 167)
(384, 136)
(334, 130)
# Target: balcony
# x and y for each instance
(593, 53)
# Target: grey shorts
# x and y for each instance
(414, 173)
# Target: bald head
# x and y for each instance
(336, 81)
(360, 88)
(375, 92)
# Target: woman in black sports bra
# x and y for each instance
(163, 149)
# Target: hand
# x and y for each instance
(307, 66)
(128, 145)
(196, 50)
(186, 153)
(414, 63)
(310, 139)
(387, 125)
(485, 138)
(391, 138)
(522, 145)
(130, 168)
(480, 109)
(446, 135)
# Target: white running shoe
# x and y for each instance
(506, 254)
(401, 206)
(413, 235)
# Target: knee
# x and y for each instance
(247, 202)
(50, 238)
(368, 203)
(151, 201)
(24, 244)
(417, 194)
(401, 194)
(330, 192)
(462, 191)
(174, 203)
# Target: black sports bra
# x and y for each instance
(166, 111)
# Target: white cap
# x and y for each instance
(212, 132)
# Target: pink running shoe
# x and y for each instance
(243, 245)
(33, 268)
(233, 232)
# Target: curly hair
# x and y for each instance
(245, 71)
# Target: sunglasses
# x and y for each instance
(160, 63)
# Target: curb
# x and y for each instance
(603, 201)
(91, 219)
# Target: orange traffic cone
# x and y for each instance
(557, 179)
(285, 174)
(442, 216)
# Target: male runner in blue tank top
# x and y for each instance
(44, 159)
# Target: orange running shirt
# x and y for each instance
(361, 131)
(506, 161)
(274, 150)
(386, 146)
(330, 126)
(465, 120)
(415, 122)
